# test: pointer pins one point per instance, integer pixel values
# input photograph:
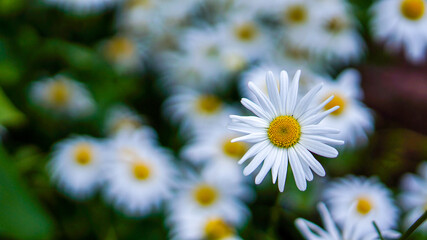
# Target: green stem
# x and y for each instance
(378, 230)
(414, 226)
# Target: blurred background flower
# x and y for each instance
(114, 118)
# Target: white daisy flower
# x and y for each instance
(245, 35)
(139, 17)
(372, 200)
(122, 118)
(352, 229)
(124, 53)
(203, 227)
(285, 128)
(210, 194)
(139, 175)
(414, 196)
(195, 110)
(76, 166)
(83, 6)
(353, 118)
(200, 60)
(62, 95)
(402, 23)
(337, 38)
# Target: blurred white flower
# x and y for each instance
(372, 200)
(124, 53)
(402, 23)
(285, 128)
(414, 196)
(139, 175)
(121, 118)
(83, 6)
(76, 166)
(62, 95)
(353, 118)
(195, 110)
(211, 193)
(352, 230)
(203, 227)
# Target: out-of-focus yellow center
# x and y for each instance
(83, 153)
(205, 195)
(364, 205)
(125, 123)
(284, 131)
(246, 32)
(216, 229)
(234, 150)
(59, 93)
(138, 3)
(338, 100)
(412, 9)
(119, 47)
(296, 14)
(208, 104)
(141, 171)
(335, 25)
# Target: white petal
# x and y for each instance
(304, 103)
(255, 149)
(256, 161)
(310, 160)
(312, 111)
(327, 220)
(251, 138)
(297, 170)
(283, 169)
(316, 130)
(281, 153)
(273, 92)
(268, 163)
(253, 107)
(263, 100)
(291, 99)
(284, 82)
(251, 120)
(323, 139)
(315, 119)
(307, 171)
(319, 148)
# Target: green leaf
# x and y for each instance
(21, 216)
(9, 115)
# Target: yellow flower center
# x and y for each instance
(335, 25)
(83, 153)
(284, 131)
(119, 47)
(296, 14)
(138, 3)
(364, 205)
(205, 195)
(412, 9)
(234, 150)
(141, 171)
(246, 32)
(216, 229)
(125, 123)
(208, 104)
(59, 93)
(338, 100)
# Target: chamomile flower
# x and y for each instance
(245, 35)
(204, 227)
(123, 52)
(76, 166)
(63, 96)
(352, 230)
(139, 17)
(138, 176)
(402, 24)
(372, 200)
(353, 118)
(195, 110)
(414, 196)
(337, 38)
(210, 194)
(83, 6)
(285, 128)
